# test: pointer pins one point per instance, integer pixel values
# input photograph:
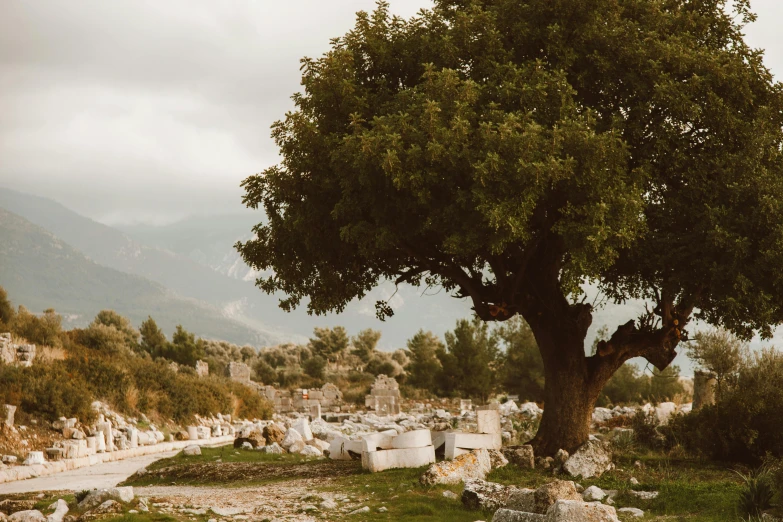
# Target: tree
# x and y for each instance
(424, 366)
(364, 344)
(522, 370)
(509, 151)
(719, 352)
(469, 362)
(6, 310)
(184, 349)
(153, 340)
(42, 330)
(329, 343)
(314, 367)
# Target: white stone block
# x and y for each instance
(412, 439)
(100, 442)
(378, 440)
(455, 441)
(192, 433)
(340, 446)
(488, 421)
(376, 461)
(34, 458)
(302, 425)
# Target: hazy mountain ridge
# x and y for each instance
(40, 271)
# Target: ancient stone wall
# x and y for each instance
(384, 396)
(239, 372)
(202, 368)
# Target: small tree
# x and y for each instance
(470, 360)
(314, 367)
(523, 368)
(6, 310)
(43, 330)
(424, 365)
(120, 323)
(719, 352)
(153, 340)
(329, 343)
(184, 349)
(364, 344)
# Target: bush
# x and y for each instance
(45, 330)
(315, 366)
(756, 493)
(746, 422)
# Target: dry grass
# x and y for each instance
(49, 353)
(132, 398)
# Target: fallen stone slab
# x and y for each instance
(376, 461)
(192, 450)
(60, 510)
(99, 496)
(32, 515)
(635, 512)
(412, 439)
(510, 515)
(473, 465)
(343, 449)
(460, 443)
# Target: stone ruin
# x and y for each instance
(703, 389)
(384, 396)
(239, 372)
(328, 398)
(17, 354)
(8, 412)
(202, 368)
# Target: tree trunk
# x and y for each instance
(570, 392)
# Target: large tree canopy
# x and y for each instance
(511, 150)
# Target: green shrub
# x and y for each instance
(756, 494)
(43, 330)
(315, 366)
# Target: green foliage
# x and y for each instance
(379, 366)
(118, 322)
(645, 429)
(631, 386)
(364, 344)
(719, 352)
(7, 312)
(43, 330)
(756, 494)
(424, 364)
(315, 367)
(264, 372)
(153, 340)
(523, 369)
(746, 422)
(469, 363)
(104, 338)
(329, 343)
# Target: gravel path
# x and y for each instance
(104, 475)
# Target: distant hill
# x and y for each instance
(207, 240)
(40, 271)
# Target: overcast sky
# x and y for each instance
(150, 110)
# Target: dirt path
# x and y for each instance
(288, 500)
(103, 475)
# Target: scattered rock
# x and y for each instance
(274, 448)
(273, 433)
(636, 512)
(311, 451)
(522, 500)
(473, 465)
(480, 494)
(634, 481)
(359, 511)
(592, 459)
(497, 459)
(450, 495)
(593, 493)
(549, 494)
(560, 459)
(579, 511)
(328, 504)
(522, 456)
(383, 509)
(191, 450)
(99, 496)
(644, 495)
(291, 437)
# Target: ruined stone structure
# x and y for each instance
(202, 368)
(328, 398)
(237, 371)
(18, 354)
(703, 389)
(8, 412)
(384, 396)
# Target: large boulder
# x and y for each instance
(274, 433)
(480, 494)
(592, 459)
(550, 493)
(32, 515)
(473, 465)
(521, 499)
(291, 437)
(522, 456)
(580, 511)
(254, 436)
(497, 459)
